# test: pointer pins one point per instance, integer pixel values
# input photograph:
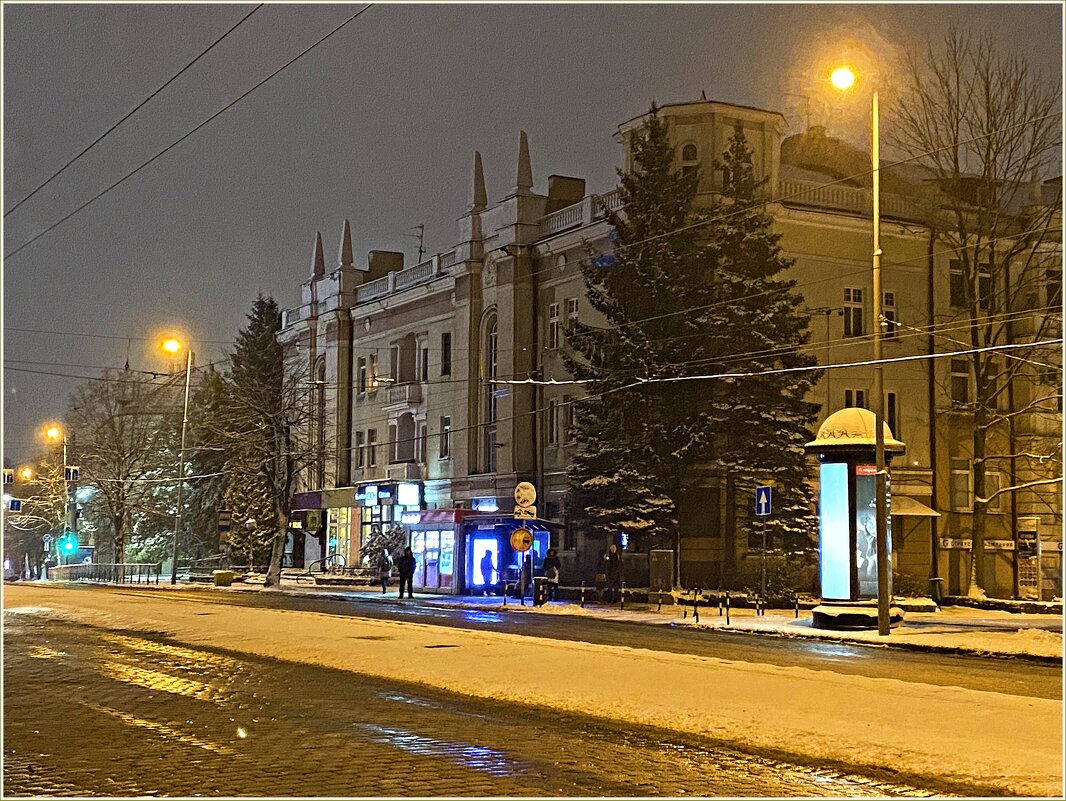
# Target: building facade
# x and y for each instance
(403, 361)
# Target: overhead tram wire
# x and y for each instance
(186, 135)
(134, 110)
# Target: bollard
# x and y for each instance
(696, 604)
(622, 598)
(582, 594)
(719, 603)
(505, 586)
(684, 609)
(796, 601)
(727, 607)
(660, 597)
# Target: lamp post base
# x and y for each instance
(852, 615)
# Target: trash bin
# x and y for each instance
(223, 578)
(540, 590)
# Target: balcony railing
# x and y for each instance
(846, 198)
(590, 209)
(405, 394)
(375, 289)
(417, 274)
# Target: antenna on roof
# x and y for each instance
(421, 228)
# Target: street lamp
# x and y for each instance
(843, 78)
(173, 346)
(55, 434)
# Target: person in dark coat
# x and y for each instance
(551, 572)
(487, 569)
(385, 567)
(407, 571)
(612, 561)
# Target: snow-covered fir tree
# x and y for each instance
(685, 295)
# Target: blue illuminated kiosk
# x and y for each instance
(847, 519)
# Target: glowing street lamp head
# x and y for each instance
(842, 78)
(171, 345)
(26, 473)
(53, 433)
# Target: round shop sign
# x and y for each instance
(521, 539)
(525, 494)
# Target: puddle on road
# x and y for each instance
(479, 758)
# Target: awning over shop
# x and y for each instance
(902, 506)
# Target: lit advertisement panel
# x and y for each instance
(866, 528)
(834, 552)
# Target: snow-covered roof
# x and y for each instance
(851, 428)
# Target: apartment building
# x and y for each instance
(416, 430)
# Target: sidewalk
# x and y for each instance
(952, 629)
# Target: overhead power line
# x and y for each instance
(185, 136)
(133, 111)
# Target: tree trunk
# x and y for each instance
(277, 550)
(729, 556)
(120, 541)
(978, 579)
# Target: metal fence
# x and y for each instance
(123, 573)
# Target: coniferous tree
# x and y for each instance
(685, 295)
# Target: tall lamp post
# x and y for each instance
(55, 434)
(174, 346)
(843, 78)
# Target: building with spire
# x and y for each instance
(413, 430)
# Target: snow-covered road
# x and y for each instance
(947, 733)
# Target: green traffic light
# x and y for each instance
(70, 543)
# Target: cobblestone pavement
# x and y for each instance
(95, 712)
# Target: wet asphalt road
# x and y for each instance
(89, 711)
(1011, 676)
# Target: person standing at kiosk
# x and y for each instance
(487, 569)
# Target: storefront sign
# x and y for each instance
(999, 545)
(949, 543)
(408, 494)
(484, 505)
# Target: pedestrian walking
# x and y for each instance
(487, 569)
(612, 561)
(551, 573)
(407, 572)
(385, 568)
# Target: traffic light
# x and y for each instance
(68, 543)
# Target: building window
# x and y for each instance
(960, 381)
(422, 443)
(957, 286)
(892, 414)
(689, 159)
(423, 373)
(888, 310)
(568, 418)
(993, 483)
(446, 353)
(854, 398)
(393, 444)
(489, 407)
(372, 447)
(853, 312)
(571, 310)
(1053, 285)
(445, 437)
(553, 422)
(360, 449)
(960, 484)
(553, 326)
(361, 372)
(372, 377)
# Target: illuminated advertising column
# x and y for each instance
(847, 512)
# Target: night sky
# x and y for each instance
(377, 124)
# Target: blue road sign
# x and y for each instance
(762, 500)
(14, 505)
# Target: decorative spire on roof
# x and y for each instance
(703, 95)
(346, 259)
(318, 261)
(524, 182)
(479, 199)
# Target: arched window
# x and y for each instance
(689, 158)
(489, 405)
(318, 422)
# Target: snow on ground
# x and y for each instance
(916, 728)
